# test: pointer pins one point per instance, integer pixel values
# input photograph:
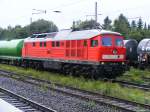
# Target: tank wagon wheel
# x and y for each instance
(85, 71)
(141, 66)
(25, 64)
(17, 63)
(36, 65)
(95, 74)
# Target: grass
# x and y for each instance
(136, 75)
(107, 88)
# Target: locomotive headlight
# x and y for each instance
(122, 63)
(102, 63)
(114, 51)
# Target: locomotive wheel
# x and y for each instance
(67, 70)
(75, 70)
(37, 66)
(94, 74)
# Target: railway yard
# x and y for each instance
(85, 59)
(64, 96)
(85, 71)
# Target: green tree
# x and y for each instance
(122, 25)
(82, 25)
(145, 26)
(20, 32)
(148, 27)
(1, 30)
(135, 35)
(133, 25)
(107, 23)
(39, 26)
(140, 24)
(42, 26)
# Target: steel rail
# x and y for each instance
(22, 103)
(134, 85)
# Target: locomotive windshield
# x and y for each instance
(107, 41)
(119, 42)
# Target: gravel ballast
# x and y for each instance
(57, 101)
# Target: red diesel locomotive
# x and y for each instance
(92, 53)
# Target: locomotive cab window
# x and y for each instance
(119, 42)
(57, 44)
(107, 41)
(94, 43)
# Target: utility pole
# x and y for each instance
(96, 12)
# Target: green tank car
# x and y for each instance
(11, 48)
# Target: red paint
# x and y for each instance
(74, 50)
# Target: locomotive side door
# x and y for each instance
(85, 50)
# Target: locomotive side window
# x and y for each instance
(107, 41)
(119, 42)
(94, 43)
(57, 44)
(40, 44)
(85, 43)
(44, 44)
(53, 44)
(33, 44)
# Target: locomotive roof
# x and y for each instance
(70, 35)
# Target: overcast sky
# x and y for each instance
(19, 12)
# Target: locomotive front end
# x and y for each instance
(112, 55)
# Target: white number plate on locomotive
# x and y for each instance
(112, 57)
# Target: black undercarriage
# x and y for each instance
(74, 68)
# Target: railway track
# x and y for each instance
(22, 103)
(146, 78)
(82, 94)
(133, 85)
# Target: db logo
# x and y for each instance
(114, 51)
